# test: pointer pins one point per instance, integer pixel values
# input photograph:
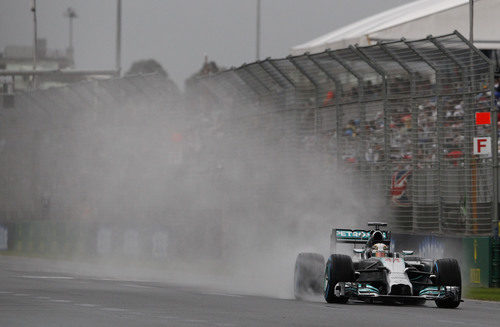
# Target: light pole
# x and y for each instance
(70, 13)
(35, 41)
(471, 21)
(257, 52)
(118, 64)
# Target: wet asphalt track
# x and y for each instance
(30, 296)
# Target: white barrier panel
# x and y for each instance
(160, 244)
(4, 237)
(131, 242)
(104, 240)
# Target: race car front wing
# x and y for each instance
(361, 291)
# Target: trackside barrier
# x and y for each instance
(495, 262)
(38, 237)
(478, 256)
(4, 237)
(85, 239)
(478, 261)
(160, 243)
(399, 117)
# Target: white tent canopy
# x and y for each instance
(413, 21)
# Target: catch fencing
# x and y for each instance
(398, 116)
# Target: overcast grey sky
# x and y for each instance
(178, 33)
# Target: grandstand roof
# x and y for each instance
(416, 20)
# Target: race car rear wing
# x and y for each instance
(356, 236)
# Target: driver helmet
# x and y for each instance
(380, 250)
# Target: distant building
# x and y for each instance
(20, 58)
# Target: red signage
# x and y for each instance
(483, 118)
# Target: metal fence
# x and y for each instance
(52, 154)
(399, 116)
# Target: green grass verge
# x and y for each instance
(481, 293)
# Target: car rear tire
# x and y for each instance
(308, 275)
(447, 273)
(339, 268)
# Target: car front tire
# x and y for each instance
(339, 268)
(447, 273)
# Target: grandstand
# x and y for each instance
(414, 21)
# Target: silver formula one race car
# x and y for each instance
(376, 274)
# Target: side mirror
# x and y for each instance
(408, 252)
(358, 251)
